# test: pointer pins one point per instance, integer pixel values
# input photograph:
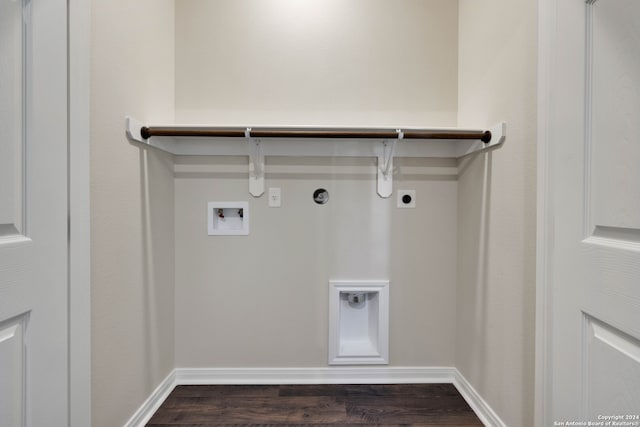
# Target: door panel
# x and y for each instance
(15, 248)
(614, 104)
(610, 253)
(612, 370)
(593, 221)
(34, 381)
(13, 372)
(11, 96)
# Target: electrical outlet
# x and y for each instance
(406, 198)
(274, 197)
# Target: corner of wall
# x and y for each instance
(132, 239)
(496, 214)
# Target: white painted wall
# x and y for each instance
(262, 300)
(131, 207)
(333, 62)
(496, 207)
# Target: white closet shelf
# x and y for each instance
(305, 141)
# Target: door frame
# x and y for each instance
(78, 181)
(547, 35)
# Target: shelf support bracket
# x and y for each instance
(385, 165)
(133, 128)
(256, 165)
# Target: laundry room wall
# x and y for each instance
(132, 257)
(262, 300)
(496, 207)
(317, 62)
(461, 264)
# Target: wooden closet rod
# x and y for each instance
(147, 132)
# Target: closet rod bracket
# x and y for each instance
(385, 165)
(256, 165)
(134, 130)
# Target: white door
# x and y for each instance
(33, 214)
(590, 161)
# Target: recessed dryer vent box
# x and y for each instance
(228, 218)
(358, 322)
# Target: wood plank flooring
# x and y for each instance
(315, 405)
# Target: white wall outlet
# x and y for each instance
(274, 197)
(406, 199)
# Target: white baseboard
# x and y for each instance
(482, 409)
(333, 375)
(151, 405)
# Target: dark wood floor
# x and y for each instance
(315, 405)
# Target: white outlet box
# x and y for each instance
(275, 199)
(406, 199)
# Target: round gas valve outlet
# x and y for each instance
(406, 199)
